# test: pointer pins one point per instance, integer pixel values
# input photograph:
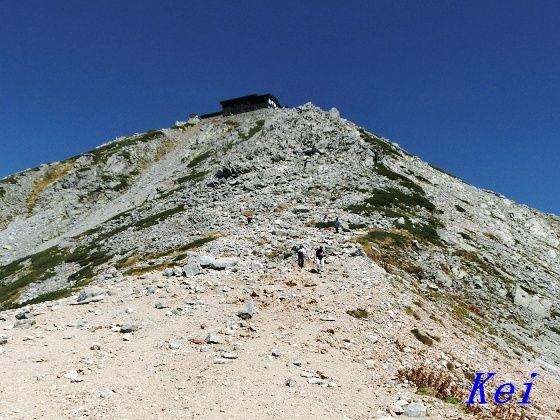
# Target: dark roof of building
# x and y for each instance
(249, 98)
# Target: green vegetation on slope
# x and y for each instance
(200, 158)
(16, 276)
(252, 131)
(101, 154)
(55, 172)
(381, 146)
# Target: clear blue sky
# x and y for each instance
(470, 86)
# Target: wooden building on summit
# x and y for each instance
(249, 103)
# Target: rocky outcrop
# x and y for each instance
(240, 194)
(533, 302)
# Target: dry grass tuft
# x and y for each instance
(440, 384)
(52, 175)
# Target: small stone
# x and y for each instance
(91, 294)
(229, 355)
(3, 339)
(415, 410)
(290, 382)
(24, 315)
(24, 323)
(74, 376)
(128, 328)
(213, 339)
(316, 381)
(275, 353)
(221, 361)
(174, 345)
(95, 346)
(247, 313)
(160, 305)
(372, 338)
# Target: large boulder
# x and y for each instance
(191, 269)
(208, 261)
(91, 294)
(442, 279)
(538, 305)
(415, 410)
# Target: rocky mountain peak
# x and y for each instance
(239, 194)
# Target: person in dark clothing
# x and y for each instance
(320, 258)
(301, 256)
(337, 224)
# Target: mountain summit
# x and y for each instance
(426, 271)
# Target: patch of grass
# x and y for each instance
(378, 235)
(164, 148)
(465, 236)
(358, 313)
(357, 225)
(42, 265)
(460, 209)
(380, 146)
(449, 399)
(182, 127)
(392, 197)
(89, 260)
(423, 338)
(491, 236)
(200, 158)
(196, 243)
(411, 312)
(421, 178)
(194, 176)
(554, 329)
(323, 225)
(103, 153)
(231, 123)
(127, 261)
(426, 390)
(158, 217)
(53, 174)
(391, 250)
(425, 232)
(366, 209)
(9, 180)
(47, 297)
(394, 176)
(136, 271)
(443, 171)
(2, 192)
(170, 192)
(471, 258)
(281, 208)
(433, 382)
(252, 131)
(182, 249)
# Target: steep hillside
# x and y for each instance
(143, 204)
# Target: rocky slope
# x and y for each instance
(432, 271)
